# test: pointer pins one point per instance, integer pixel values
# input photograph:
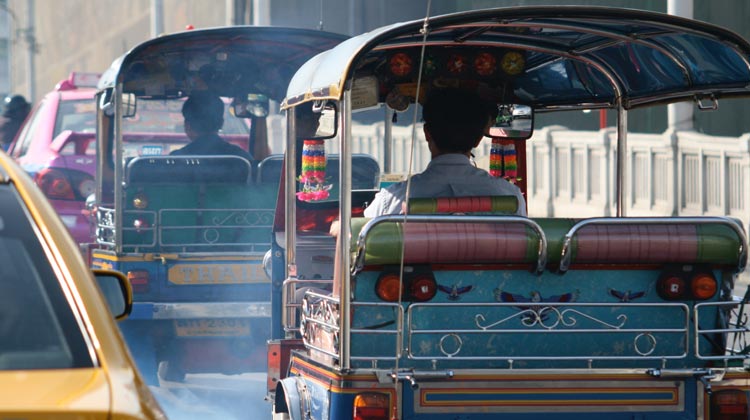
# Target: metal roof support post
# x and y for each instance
(119, 178)
(622, 150)
(680, 115)
(290, 214)
(388, 143)
(345, 211)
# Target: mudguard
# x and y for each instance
(287, 399)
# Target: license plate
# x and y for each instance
(212, 327)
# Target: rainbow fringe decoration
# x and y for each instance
(503, 160)
(313, 172)
(496, 158)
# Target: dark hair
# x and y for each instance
(455, 118)
(204, 111)
(16, 107)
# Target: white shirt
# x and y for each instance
(449, 175)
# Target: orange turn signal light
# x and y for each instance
(703, 286)
(371, 406)
(388, 287)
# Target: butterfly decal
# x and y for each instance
(454, 292)
(626, 296)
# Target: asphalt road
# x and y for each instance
(215, 396)
(741, 286)
(230, 397)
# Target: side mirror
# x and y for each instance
(513, 122)
(107, 104)
(328, 120)
(255, 105)
(117, 292)
(128, 105)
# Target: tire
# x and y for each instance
(171, 372)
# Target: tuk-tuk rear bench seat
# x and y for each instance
(196, 203)
(715, 241)
(491, 289)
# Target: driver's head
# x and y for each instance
(455, 119)
(203, 112)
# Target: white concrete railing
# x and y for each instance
(572, 173)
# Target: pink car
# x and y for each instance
(55, 145)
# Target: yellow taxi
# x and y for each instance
(61, 353)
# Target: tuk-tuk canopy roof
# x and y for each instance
(547, 57)
(231, 61)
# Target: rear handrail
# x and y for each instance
(290, 304)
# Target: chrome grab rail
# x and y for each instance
(289, 301)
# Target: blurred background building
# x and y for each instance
(42, 41)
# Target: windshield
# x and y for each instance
(77, 116)
(38, 330)
(157, 128)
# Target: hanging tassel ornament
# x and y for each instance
(503, 160)
(496, 158)
(510, 162)
(313, 172)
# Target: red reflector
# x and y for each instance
(273, 360)
(729, 404)
(423, 288)
(672, 287)
(138, 280)
(388, 287)
(703, 286)
(371, 406)
(54, 185)
(140, 225)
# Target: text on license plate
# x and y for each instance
(212, 327)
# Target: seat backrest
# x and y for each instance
(714, 241)
(365, 170)
(225, 169)
(507, 204)
(514, 241)
(696, 240)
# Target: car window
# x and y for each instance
(28, 132)
(76, 115)
(38, 328)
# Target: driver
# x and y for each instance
(455, 121)
(204, 117)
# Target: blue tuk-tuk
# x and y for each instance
(191, 231)
(458, 308)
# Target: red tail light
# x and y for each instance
(371, 406)
(729, 404)
(62, 184)
(417, 287)
(423, 287)
(55, 185)
(139, 280)
(676, 284)
(141, 225)
(672, 287)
